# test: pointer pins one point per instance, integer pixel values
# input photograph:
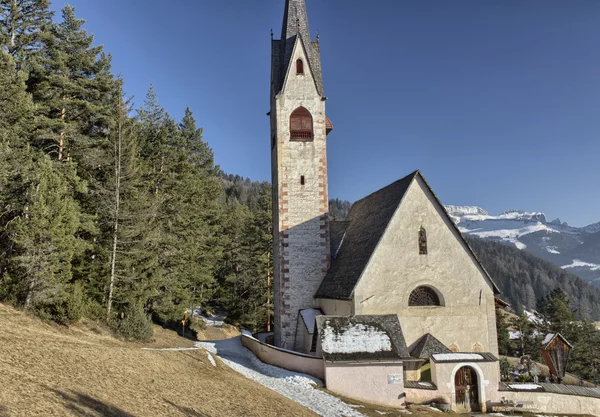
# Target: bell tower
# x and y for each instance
(299, 128)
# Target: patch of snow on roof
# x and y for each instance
(355, 338)
(308, 316)
(525, 386)
(580, 264)
(548, 339)
(456, 356)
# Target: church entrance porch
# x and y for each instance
(466, 390)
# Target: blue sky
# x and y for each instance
(497, 102)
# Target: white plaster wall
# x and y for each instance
(556, 403)
(366, 382)
(332, 307)
(488, 375)
(302, 241)
(396, 268)
(292, 361)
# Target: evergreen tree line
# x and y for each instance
(105, 215)
(555, 314)
(524, 278)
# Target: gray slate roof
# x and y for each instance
(420, 385)
(368, 219)
(351, 327)
(555, 388)
(337, 231)
(295, 25)
(427, 346)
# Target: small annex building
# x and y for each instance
(392, 298)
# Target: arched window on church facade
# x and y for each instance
(299, 66)
(301, 125)
(422, 241)
(424, 297)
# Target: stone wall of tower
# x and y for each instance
(300, 212)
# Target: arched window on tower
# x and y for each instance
(299, 66)
(424, 297)
(422, 241)
(301, 125)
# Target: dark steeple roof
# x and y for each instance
(295, 25)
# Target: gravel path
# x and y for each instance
(293, 385)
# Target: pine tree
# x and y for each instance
(22, 25)
(44, 239)
(128, 219)
(16, 107)
(189, 218)
(73, 86)
(246, 267)
(502, 332)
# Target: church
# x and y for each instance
(392, 298)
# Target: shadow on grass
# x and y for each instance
(190, 412)
(85, 406)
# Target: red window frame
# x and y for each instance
(301, 125)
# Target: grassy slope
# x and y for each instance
(47, 370)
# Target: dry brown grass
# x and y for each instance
(47, 370)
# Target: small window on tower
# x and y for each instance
(299, 67)
(301, 125)
(422, 241)
(302, 180)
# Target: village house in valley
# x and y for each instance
(389, 305)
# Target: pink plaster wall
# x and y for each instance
(366, 382)
(292, 361)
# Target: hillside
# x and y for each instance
(524, 278)
(49, 370)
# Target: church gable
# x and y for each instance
(357, 238)
(422, 247)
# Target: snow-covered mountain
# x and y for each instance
(576, 249)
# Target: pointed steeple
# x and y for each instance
(294, 27)
(295, 20)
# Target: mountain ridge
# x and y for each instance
(574, 248)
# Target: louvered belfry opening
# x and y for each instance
(301, 125)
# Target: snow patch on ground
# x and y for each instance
(293, 385)
(355, 338)
(211, 359)
(194, 348)
(580, 264)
